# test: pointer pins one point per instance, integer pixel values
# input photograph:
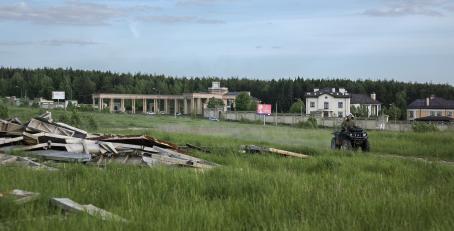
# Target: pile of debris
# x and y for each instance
(44, 139)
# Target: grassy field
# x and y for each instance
(332, 191)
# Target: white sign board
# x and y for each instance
(58, 95)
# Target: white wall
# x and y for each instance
(333, 105)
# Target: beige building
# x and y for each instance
(431, 107)
(328, 102)
(187, 103)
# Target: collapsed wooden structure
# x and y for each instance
(44, 139)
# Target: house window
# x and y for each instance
(432, 113)
(412, 114)
(438, 113)
(450, 113)
(341, 114)
(326, 105)
(340, 105)
(312, 104)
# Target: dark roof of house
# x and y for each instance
(434, 103)
(327, 91)
(435, 118)
(234, 93)
(362, 99)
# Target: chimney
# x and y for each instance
(373, 96)
(427, 102)
(333, 90)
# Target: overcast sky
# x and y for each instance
(408, 40)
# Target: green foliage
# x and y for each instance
(424, 127)
(297, 107)
(75, 119)
(310, 123)
(252, 105)
(64, 118)
(393, 111)
(215, 103)
(242, 102)
(4, 114)
(361, 111)
(92, 124)
(85, 108)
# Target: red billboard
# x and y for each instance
(264, 109)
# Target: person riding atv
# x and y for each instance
(348, 123)
(350, 137)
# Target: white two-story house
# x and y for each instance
(328, 102)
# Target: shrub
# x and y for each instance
(85, 107)
(4, 111)
(92, 122)
(310, 123)
(75, 119)
(424, 127)
(64, 118)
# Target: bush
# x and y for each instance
(424, 127)
(75, 119)
(85, 107)
(64, 118)
(4, 111)
(92, 122)
(310, 123)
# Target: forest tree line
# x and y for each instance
(80, 84)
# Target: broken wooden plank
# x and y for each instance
(36, 125)
(61, 155)
(23, 197)
(120, 147)
(202, 149)
(287, 153)
(10, 126)
(10, 140)
(258, 149)
(72, 206)
(181, 156)
(147, 141)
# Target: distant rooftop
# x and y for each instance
(362, 99)
(432, 103)
(336, 93)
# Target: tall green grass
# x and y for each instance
(332, 191)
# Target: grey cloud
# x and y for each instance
(210, 21)
(69, 13)
(434, 8)
(198, 2)
(272, 47)
(56, 42)
(165, 19)
(14, 43)
(53, 42)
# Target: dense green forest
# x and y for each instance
(80, 84)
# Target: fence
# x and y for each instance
(292, 119)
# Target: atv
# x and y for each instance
(351, 139)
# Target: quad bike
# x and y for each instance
(351, 139)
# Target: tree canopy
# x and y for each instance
(80, 84)
(298, 107)
(215, 103)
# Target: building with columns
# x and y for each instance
(187, 103)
